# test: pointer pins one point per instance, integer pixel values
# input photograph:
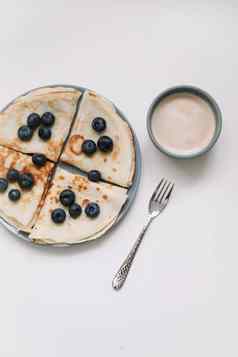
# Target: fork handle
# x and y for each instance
(120, 277)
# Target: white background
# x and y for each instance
(181, 296)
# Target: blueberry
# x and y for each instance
(89, 147)
(26, 181)
(25, 133)
(99, 124)
(14, 195)
(58, 215)
(33, 120)
(12, 175)
(67, 197)
(3, 184)
(75, 210)
(92, 210)
(39, 160)
(48, 119)
(94, 175)
(105, 143)
(44, 133)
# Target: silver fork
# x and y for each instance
(158, 202)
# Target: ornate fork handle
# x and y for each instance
(122, 273)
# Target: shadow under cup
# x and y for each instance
(194, 92)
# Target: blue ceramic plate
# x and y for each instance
(131, 191)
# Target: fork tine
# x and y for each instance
(160, 191)
(157, 189)
(170, 191)
(167, 192)
(158, 198)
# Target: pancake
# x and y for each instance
(22, 214)
(45, 90)
(110, 199)
(62, 103)
(117, 166)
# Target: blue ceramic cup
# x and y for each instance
(195, 92)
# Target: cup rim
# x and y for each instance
(190, 90)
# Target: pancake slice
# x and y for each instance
(109, 198)
(45, 90)
(22, 214)
(62, 104)
(117, 166)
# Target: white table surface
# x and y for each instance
(181, 296)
